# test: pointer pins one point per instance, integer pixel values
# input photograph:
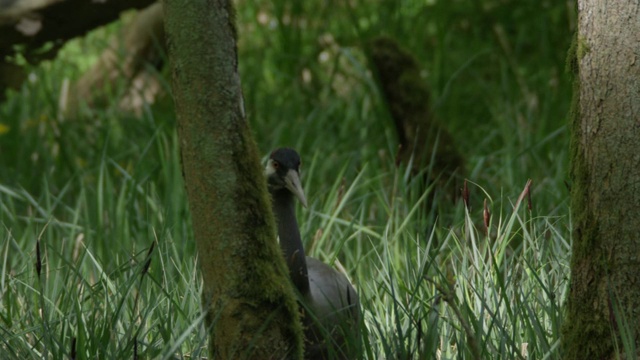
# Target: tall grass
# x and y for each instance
(425, 289)
(437, 279)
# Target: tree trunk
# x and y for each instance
(603, 315)
(424, 144)
(136, 45)
(247, 293)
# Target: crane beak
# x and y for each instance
(292, 181)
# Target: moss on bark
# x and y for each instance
(250, 304)
(584, 264)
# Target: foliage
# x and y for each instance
(97, 191)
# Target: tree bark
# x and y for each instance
(603, 315)
(247, 294)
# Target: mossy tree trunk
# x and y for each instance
(251, 309)
(603, 315)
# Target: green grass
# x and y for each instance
(96, 192)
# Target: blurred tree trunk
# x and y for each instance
(251, 307)
(603, 315)
(29, 25)
(424, 144)
(131, 52)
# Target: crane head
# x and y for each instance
(283, 172)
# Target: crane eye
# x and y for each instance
(276, 164)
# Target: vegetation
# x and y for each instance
(98, 191)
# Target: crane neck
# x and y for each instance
(290, 240)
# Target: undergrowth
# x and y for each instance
(96, 252)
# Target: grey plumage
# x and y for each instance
(331, 306)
